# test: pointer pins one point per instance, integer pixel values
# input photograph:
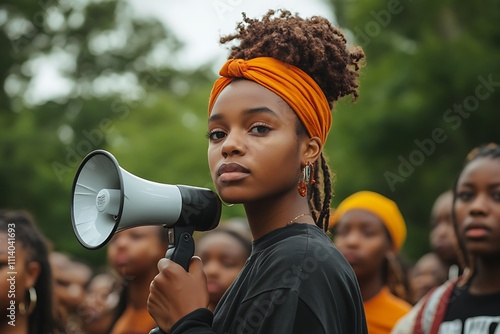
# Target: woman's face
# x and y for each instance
(477, 207)
(362, 239)
(253, 150)
(136, 251)
(16, 280)
(442, 236)
(223, 258)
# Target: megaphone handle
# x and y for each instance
(183, 251)
(180, 252)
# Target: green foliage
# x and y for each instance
(405, 137)
(424, 99)
(123, 96)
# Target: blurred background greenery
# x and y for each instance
(429, 94)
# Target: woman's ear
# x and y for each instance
(312, 148)
(33, 270)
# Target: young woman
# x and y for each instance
(370, 231)
(269, 116)
(223, 253)
(469, 304)
(100, 307)
(70, 277)
(133, 254)
(427, 273)
(25, 277)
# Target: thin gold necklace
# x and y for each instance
(301, 215)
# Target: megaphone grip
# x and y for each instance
(184, 250)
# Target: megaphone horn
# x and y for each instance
(107, 199)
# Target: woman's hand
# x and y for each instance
(174, 292)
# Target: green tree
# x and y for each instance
(429, 94)
(113, 65)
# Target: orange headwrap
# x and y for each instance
(382, 207)
(292, 84)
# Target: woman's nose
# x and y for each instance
(479, 205)
(233, 144)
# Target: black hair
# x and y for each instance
(27, 235)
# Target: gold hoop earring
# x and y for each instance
(32, 304)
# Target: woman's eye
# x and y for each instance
(369, 233)
(215, 135)
(496, 195)
(464, 195)
(260, 129)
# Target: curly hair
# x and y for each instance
(320, 50)
(311, 44)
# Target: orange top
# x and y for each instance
(383, 311)
(292, 84)
(134, 322)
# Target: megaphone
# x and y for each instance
(107, 199)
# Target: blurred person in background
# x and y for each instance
(443, 240)
(134, 254)
(26, 297)
(239, 225)
(223, 252)
(427, 273)
(100, 307)
(468, 304)
(370, 230)
(70, 277)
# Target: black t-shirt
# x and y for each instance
(295, 281)
(467, 313)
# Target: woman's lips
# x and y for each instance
(232, 172)
(213, 287)
(476, 230)
(476, 233)
(352, 258)
(121, 260)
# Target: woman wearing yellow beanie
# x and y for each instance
(370, 230)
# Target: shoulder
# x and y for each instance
(388, 303)
(427, 311)
(397, 304)
(305, 253)
(309, 248)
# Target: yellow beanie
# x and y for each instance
(382, 207)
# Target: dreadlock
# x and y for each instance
(491, 150)
(320, 50)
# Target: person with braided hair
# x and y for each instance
(370, 230)
(269, 118)
(470, 303)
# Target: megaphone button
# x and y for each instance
(108, 201)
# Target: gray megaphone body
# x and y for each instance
(107, 199)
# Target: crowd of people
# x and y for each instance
(279, 271)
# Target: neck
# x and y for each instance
(487, 277)
(138, 290)
(370, 286)
(270, 214)
(17, 325)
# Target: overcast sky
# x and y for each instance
(196, 23)
(200, 23)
